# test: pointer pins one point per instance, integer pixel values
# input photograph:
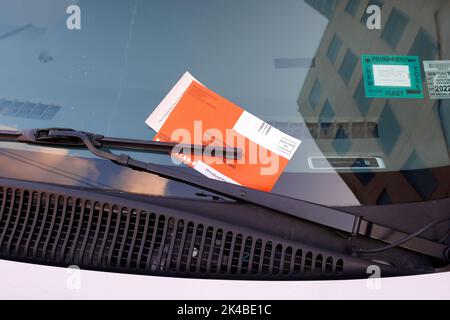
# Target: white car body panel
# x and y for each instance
(29, 281)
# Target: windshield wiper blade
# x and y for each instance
(55, 137)
(312, 212)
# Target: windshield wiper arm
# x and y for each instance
(312, 212)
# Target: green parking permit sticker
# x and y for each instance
(392, 76)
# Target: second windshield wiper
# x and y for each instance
(312, 212)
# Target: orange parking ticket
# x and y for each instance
(193, 114)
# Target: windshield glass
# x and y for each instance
(304, 66)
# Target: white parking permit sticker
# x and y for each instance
(391, 75)
(438, 78)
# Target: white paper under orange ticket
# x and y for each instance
(193, 114)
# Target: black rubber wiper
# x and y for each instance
(312, 212)
(56, 137)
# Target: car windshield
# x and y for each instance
(356, 81)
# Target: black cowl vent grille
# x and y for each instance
(64, 230)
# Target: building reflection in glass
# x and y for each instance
(410, 135)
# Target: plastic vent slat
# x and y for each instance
(152, 239)
(308, 260)
(101, 250)
(4, 193)
(251, 256)
(27, 220)
(292, 266)
(229, 262)
(266, 258)
(206, 249)
(3, 208)
(61, 225)
(288, 261)
(173, 255)
(191, 245)
(33, 226)
(131, 237)
(127, 216)
(210, 252)
(97, 224)
(240, 258)
(200, 250)
(16, 221)
(158, 262)
(217, 249)
(52, 229)
(148, 240)
(134, 239)
(171, 246)
(318, 263)
(159, 244)
(58, 228)
(225, 237)
(270, 267)
(8, 217)
(277, 259)
(62, 254)
(6, 211)
(144, 235)
(152, 243)
(329, 265)
(182, 243)
(257, 257)
(47, 237)
(115, 211)
(169, 235)
(41, 226)
(48, 214)
(185, 245)
(77, 231)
